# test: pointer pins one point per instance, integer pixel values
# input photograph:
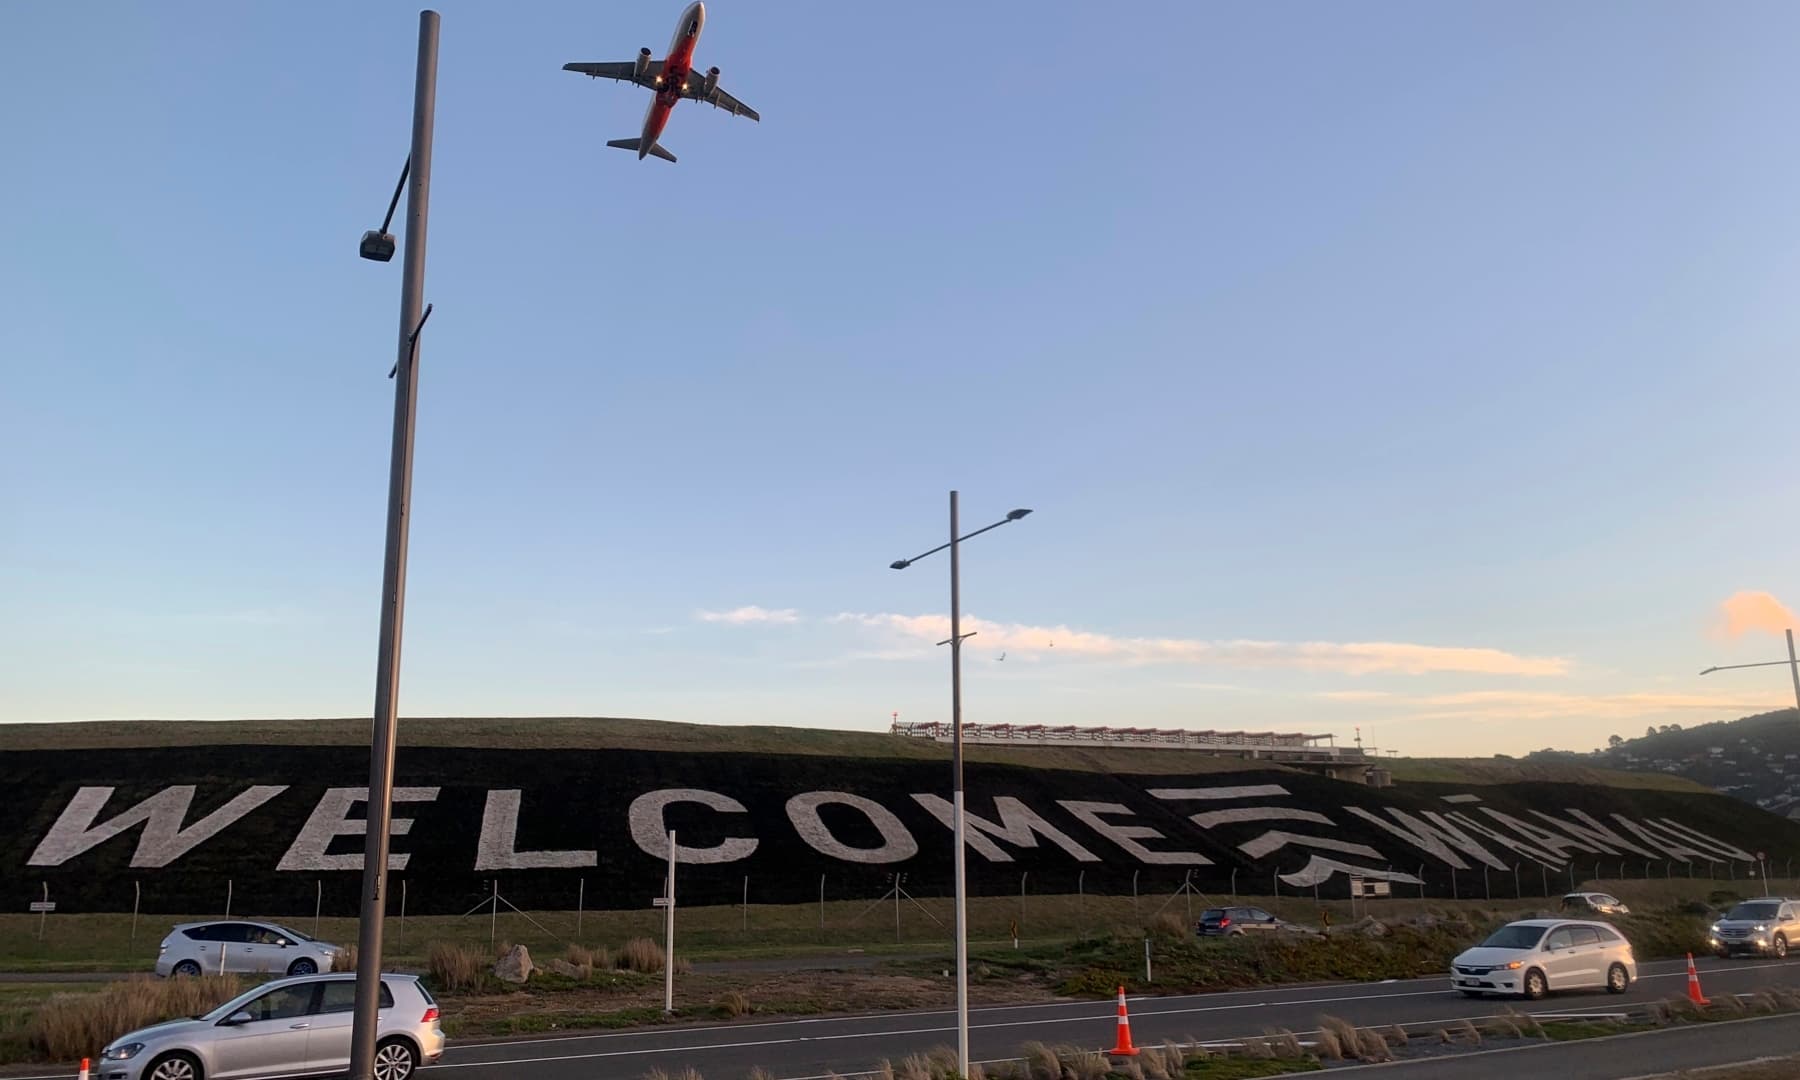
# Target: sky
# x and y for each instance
(1402, 366)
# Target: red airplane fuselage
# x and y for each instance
(675, 69)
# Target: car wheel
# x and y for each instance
(395, 1060)
(1536, 986)
(303, 966)
(173, 1067)
(1617, 979)
(1779, 946)
(188, 968)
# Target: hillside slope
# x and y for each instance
(615, 733)
(1756, 758)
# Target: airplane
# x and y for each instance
(671, 79)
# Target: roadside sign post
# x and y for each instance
(43, 907)
(669, 932)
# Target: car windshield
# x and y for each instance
(231, 1006)
(292, 933)
(1516, 936)
(1753, 911)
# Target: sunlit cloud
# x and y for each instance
(745, 616)
(1536, 705)
(1351, 658)
(1355, 695)
(1750, 610)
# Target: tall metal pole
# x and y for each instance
(393, 576)
(1794, 666)
(956, 768)
(669, 934)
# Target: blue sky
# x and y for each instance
(1442, 353)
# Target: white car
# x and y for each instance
(1532, 957)
(242, 946)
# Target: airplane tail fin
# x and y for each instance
(656, 149)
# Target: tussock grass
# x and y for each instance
(735, 1004)
(72, 1026)
(640, 954)
(456, 968)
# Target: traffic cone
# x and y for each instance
(1694, 994)
(1124, 1049)
(84, 1069)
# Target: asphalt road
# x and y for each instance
(847, 1045)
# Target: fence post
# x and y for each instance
(402, 911)
(1234, 884)
(1485, 888)
(1421, 881)
(746, 903)
(1453, 895)
(1517, 892)
(1022, 878)
(580, 904)
(1134, 898)
(137, 893)
(318, 902)
(227, 899)
(1081, 897)
(821, 901)
(1544, 868)
(1276, 878)
(1731, 868)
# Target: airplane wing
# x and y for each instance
(696, 89)
(624, 71)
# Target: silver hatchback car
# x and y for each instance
(1532, 957)
(286, 1027)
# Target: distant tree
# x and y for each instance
(1615, 741)
(1650, 732)
(1674, 727)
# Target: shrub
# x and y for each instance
(1285, 1045)
(1328, 1045)
(589, 960)
(640, 954)
(71, 1026)
(455, 967)
(1040, 1061)
(1372, 1047)
(1169, 925)
(734, 1004)
(1342, 1032)
(1395, 1035)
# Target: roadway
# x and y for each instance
(846, 1045)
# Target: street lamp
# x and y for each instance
(956, 766)
(1792, 663)
(378, 246)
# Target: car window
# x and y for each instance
(1514, 936)
(1753, 911)
(1608, 900)
(1607, 934)
(1584, 935)
(1260, 915)
(262, 935)
(340, 996)
(1212, 914)
(199, 933)
(1560, 938)
(235, 933)
(283, 1003)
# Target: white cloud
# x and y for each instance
(1352, 658)
(744, 616)
(1536, 705)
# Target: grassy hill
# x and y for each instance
(602, 733)
(1756, 758)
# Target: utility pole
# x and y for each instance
(393, 577)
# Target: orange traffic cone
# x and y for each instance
(1124, 1049)
(1694, 994)
(84, 1069)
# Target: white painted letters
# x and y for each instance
(496, 850)
(897, 844)
(1127, 836)
(163, 840)
(1018, 824)
(652, 834)
(330, 819)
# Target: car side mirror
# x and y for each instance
(242, 1016)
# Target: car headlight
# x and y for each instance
(1760, 927)
(121, 1053)
(1715, 929)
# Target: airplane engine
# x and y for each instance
(711, 83)
(643, 63)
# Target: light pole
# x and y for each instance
(956, 766)
(1792, 663)
(379, 246)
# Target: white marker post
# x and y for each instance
(669, 933)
